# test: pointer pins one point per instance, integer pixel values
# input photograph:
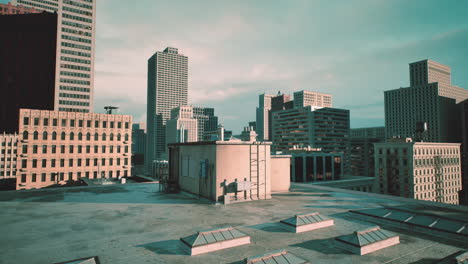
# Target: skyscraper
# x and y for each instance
(27, 65)
(263, 117)
(431, 98)
(167, 89)
(207, 121)
(74, 70)
(182, 127)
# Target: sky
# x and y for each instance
(239, 49)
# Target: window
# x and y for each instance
(118, 161)
(44, 163)
(126, 149)
(72, 136)
(88, 136)
(54, 149)
(34, 163)
(88, 123)
(44, 135)
(54, 122)
(25, 149)
(80, 136)
(119, 125)
(64, 122)
(112, 124)
(111, 161)
(43, 177)
(36, 121)
(24, 164)
(62, 163)
(46, 122)
(52, 163)
(80, 123)
(44, 149)
(88, 162)
(70, 162)
(96, 124)
(111, 149)
(34, 149)
(79, 162)
(54, 135)
(96, 149)
(25, 135)
(103, 149)
(80, 149)
(126, 125)
(23, 177)
(126, 137)
(70, 176)
(88, 149)
(95, 162)
(103, 136)
(111, 137)
(36, 135)
(62, 136)
(118, 149)
(71, 149)
(104, 124)
(26, 121)
(72, 123)
(103, 162)
(62, 149)
(119, 137)
(96, 137)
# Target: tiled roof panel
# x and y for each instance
(366, 237)
(276, 257)
(305, 219)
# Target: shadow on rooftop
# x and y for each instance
(325, 246)
(166, 247)
(270, 227)
(425, 261)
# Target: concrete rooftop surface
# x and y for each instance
(134, 223)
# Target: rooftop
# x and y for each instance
(135, 224)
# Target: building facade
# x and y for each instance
(75, 42)
(8, 155)
(418, 170)
(263, 117)
(182, 127)
(9, 9)
(167, 89)
(27, 65)
(207, 121)
(362, 149)
(308, 98)
(325, 128)
(56, 146)
(464, 155)
(431, 98)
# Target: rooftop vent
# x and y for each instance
(306, 222)
(214, 239)
(89, 260)
(367, 241)
(280, 256)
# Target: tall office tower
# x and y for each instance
(56, 146)
(263, 117)
(464, 154)
(362, 149)
(27, 65)
(74, 67)
(426, 72)
(418, 170)
(167, 89)
(207, 121)
(182, 127)
(325, 128)
(138, 139)
(306, 98)
(8, 156)
(405, 107)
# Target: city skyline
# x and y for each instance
(239, 50)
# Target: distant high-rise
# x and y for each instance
(431, 98)
(74, 69)
(27, 65)
(167, 89)
(306, 98)
(361, 160)
(207, 121)
(182, 127)
(263, 117)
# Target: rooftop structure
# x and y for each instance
(306, 222)
(308, 98)
(135, 224)
(367, 241)
(279, 256)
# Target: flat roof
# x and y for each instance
(134, 223)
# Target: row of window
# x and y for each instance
(75, 81)
(76, 46)
(75, 89)
(76, 96)
(78, 11)
(73, 123)
(78, 18)
(75, 67)
(67, 109)
(76, 39)
(75, 74)
(71, 162)
(39, 5)
(74, 24)
(71, 149)
(67, 102)
(61, 176)
(69, 59)
(71, 136)
(76, 32)
(78, 4)
(76, 53)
